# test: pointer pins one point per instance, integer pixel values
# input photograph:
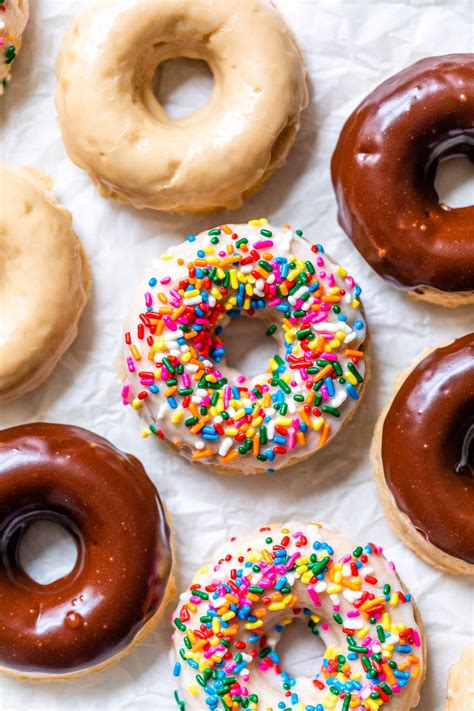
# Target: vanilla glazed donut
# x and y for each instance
(13, 19)
(231, 618)
(45, 281)
(174, 358)
(122, 579)
(460, 692)
(129, 146)
(422, 457)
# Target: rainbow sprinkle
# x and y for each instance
(174, 353)
(229, 621)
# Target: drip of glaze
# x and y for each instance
(466, 463)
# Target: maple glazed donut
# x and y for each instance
(174, 356)
(424, 442)
(460, 691)
(44, 281)
(383, 170)
(13, 19)
(121, 579)
(229, 621)
(218, 155)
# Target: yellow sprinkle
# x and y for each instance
(176, 417)
(136, 403)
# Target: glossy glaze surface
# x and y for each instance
(210, 159)
(424, 440)
(105, 500)
(383, 171)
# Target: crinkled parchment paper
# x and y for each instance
(349, 48)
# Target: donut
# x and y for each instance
(174, 355)
(383, 171)
(230, 620)
(217, 156)
(422, 456)
(460, 693)
(122, 577)
(45, 281)
(13, 19)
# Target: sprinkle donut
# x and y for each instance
(137, 154)
(174, 354)
(230, 620)
(13, 19)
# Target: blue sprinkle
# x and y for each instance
(330, 386)
(154, 389)
(350, 390)
(359, 325)
(177, 669)
(172, 403)
(191, 238)
(153, 281)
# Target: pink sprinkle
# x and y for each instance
(273, 302)
(148, 299)
(314, 595)
(396, 689)
(329, 356)
(416, 638)
(350, 282)
(324, 392)
(291, 438)
(353, 613)
(240, 379)
(170, 323)
(131, 365)
(125, 391)
(175, 295)
(165, 280)
(291, 562)
(263, 243)
(186, 380)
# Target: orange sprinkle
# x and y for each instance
(203, 453)
(389, 674)
(170, 391)
(322, 373)
(256, 444)
(353, 354)
(226, 229)
(323, 437)
(233, 454)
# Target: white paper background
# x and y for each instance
(349, 48)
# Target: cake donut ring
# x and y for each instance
(383, 170)
(136, 153)
(460, 692)
(423, 442)
(13, 19)
(122, 577)
(44, 281)
(174, 357)
(229, 621)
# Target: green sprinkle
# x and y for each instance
(10, 54)
(331, 410)
(266, 233)
(265, 265)
(179, 624)
(271, 330)
(191, 421)
(201, 594)
(355, 372)
(213, 232)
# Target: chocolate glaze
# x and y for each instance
(423, 441)
(383, 171)
(105, 500)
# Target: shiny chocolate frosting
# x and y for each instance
(383, 171)
(428, 448)
(105, 500)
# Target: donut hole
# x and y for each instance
(47, 552)
(454, 182)
(301, 652)
(182, 86)
(247, 348)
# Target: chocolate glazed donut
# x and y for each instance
(105, 500)
(383, 171)
(424, 457)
